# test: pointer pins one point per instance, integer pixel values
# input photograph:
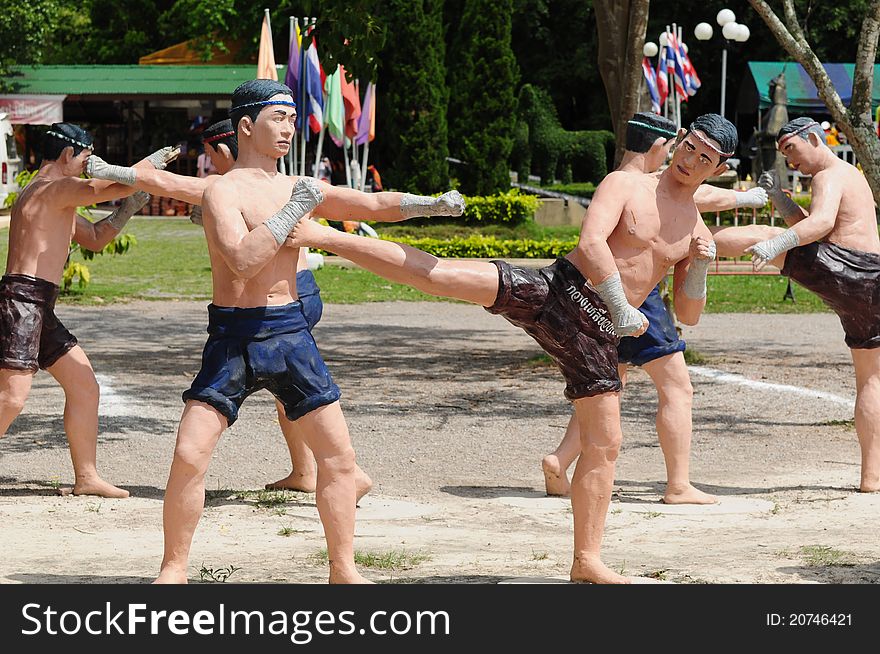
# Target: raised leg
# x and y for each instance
(471, 281)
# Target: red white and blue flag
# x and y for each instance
(651, 79)
(662, 77)
(315, 77)
(677, 66)
(693, 81)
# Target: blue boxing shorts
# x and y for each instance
(310, 296)
(659, 341)
(262, 347)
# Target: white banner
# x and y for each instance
(33, 109)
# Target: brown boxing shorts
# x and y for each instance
(848, 281)
(556, 307)
(31, 336)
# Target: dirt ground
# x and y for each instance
(450, 416)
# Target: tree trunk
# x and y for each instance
(856, 121)
(622, 25)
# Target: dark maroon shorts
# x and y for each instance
(556, 307)
(31, 336)
(848, 281)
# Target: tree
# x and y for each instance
(855, 121)
(24, 29)
(412, 99)
(483, 75)
(622, 25)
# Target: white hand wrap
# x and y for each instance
(787, 207)
(766, 251)
(695, 282)
(626, 318)
(754, 198)
(306, 195)
(164, 156)
(129, 207)
(100, 169)
(449, 204)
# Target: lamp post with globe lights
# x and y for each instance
(731, 31)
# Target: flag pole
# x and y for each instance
(292, 155)
(347, 166)
(305, 108)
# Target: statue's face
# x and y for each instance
(696, 159)
(803, 155)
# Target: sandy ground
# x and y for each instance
(451, 420)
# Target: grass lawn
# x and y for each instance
(170, 261)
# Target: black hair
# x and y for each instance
(802, 126)
(718, 129)
(65, 135)
(252, 93)
(644, 128)
(221, 132)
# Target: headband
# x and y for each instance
(709, 145)
(263, 103)
(798, 131)
(651, 128)
(65, 137)
(216, 137)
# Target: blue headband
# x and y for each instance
(263, 103)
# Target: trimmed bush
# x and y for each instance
(512, 207)
(488, 247)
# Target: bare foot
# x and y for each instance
(555, 479)
(346, 575)
(591, 570)
(687, 495)
(362, 484)
(865, 487)
(295, 482)
(169, 575)
(96, 486)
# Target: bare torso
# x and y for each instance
(653, 234)
(40, 231)
(856, 223)
(259, 196)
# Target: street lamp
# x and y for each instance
(731, 31)
(650, 49)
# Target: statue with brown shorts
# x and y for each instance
(638, 226)
(834, 251)
(41, 227)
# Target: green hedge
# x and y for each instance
(487, 247)
(511, 207)
(581, 189)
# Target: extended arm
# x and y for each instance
(342, 203)
(711, 198)
(593, 256)
(817, 224)
(247, 251)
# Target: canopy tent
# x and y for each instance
(803, 98)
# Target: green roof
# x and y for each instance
(802, 93)
(134, 80)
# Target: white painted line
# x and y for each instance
(112, 403)
(731, 378)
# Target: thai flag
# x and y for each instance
(314, 75)
(662, 77)
(651, 79)
(692, 78)
(674, 56)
